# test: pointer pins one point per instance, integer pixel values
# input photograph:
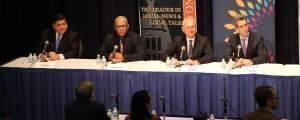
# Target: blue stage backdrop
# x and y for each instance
(160, 21)
(259, 13)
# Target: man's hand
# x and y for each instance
(43, 55)
(54, 55)
(192, 62)
(118, 57)
(245, 62)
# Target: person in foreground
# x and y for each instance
(246, 46)
(267, 100)
(141, 105)
(63, 42)
(192, 48)
(122, 45)
(85, 107)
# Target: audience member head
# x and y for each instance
(266, 97)
(140, 105)
(84, 91)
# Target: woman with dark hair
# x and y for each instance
(141, 107)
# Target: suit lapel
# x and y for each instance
(125, 45)
(197, 43)
(250, 44)
(51, 38)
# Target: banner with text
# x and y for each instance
(160, 21)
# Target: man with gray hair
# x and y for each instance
(192, 48)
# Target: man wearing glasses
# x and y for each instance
(267, 100)
(122, 45)
(191, 47)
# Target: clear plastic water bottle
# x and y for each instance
(223, 64)
(115, 114)
(154, 112)
(104, 61)
(168, 60)
(173, 61)
(29, 59)
(211, 117)
(109, 114)
(34, 57)
(230, 64)
(98, 59)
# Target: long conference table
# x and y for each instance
(39, 91)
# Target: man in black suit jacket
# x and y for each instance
(193, 48)
(63, 43)
(85, 107)
(246, 46)
(267, 99)
(130, 46)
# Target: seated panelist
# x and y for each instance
(62, 43)
(246, 46)
(122, 45)
(192, 48)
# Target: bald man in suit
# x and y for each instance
(192, 48)
(129, 45)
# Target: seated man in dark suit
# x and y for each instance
(85, 107)
(267, 100)
(246, 46)
(191, 47)
(129, 45)
(63, 42)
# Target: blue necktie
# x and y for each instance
(57, 41)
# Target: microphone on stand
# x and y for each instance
(43, 55)
(237, 65)
(227, 102)
(163, 99)
(225, 110)
(181, 52)
(238, 51)
(116, 98)
(45, 46)
(113, 54)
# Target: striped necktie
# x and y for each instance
(244, 46)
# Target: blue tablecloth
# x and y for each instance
(40, 94)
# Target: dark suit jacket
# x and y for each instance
(260, 114)
(133, 46)
(202, 49)
(68, 46)
(85, 110)
(255, 49)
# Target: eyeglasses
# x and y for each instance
(121, 26)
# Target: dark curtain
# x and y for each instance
(286, 18)
(23, 20)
